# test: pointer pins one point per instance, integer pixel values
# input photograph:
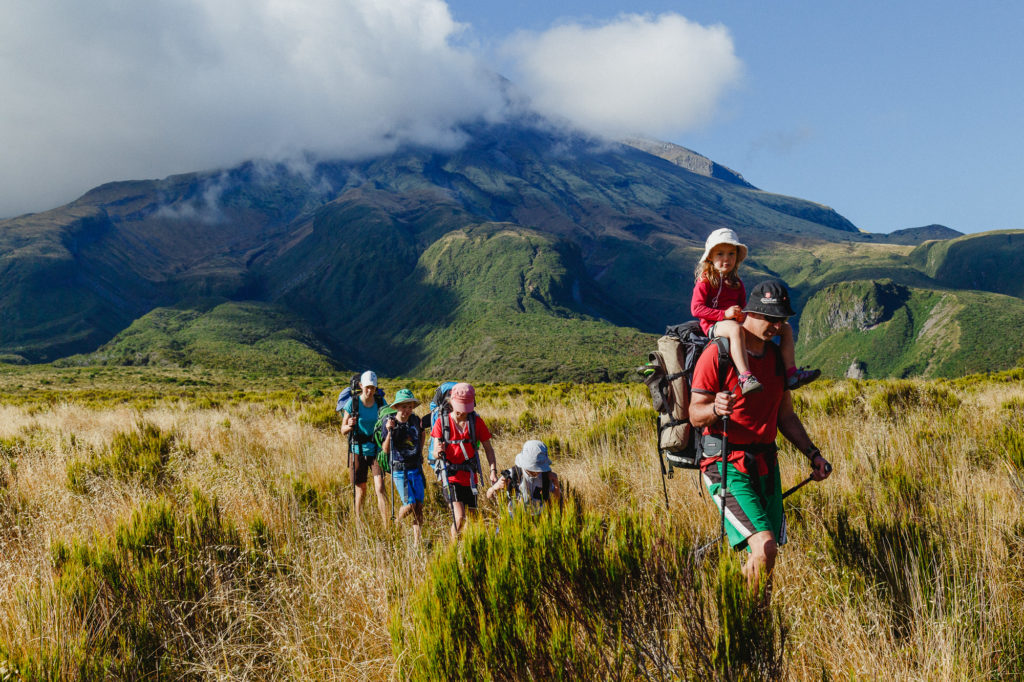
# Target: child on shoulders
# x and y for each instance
(717, 302)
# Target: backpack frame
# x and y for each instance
(669, 373)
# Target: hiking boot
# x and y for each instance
(801, 377)
(749, 383)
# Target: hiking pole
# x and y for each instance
(352, 466)
(664, 475)
(446, 485)
(700, 552)
(725, 466)
(801, 484)
(391, 468)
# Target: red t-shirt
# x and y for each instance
(755, 416)
(453, 452)
(709, 303)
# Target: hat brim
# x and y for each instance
(463, 405)
(786, 312)
(414, 402)
(526, 463)
(741, 251)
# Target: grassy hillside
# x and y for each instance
(894, 330)
(990, 261)
(516, 305)
(248, 336)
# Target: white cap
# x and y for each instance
(368, 378)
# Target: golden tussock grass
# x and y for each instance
(903, 565)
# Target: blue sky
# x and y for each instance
(895, 114)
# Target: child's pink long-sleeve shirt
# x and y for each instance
(709, 303)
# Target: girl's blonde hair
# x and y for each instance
(706, 270)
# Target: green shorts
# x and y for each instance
(752, 503)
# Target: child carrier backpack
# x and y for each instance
(668, 374)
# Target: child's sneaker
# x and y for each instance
(801, 377)
(749, 383)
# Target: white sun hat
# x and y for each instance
(724, 235)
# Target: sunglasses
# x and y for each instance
(771, 319)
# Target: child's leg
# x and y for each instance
(788, 348)
(731, 330)
(795, 378)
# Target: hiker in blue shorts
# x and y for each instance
(402, 442)
(747, 425)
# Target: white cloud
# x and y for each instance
(644, 75)
(108, 89)
(112, 89)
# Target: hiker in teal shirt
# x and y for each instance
(365, 457)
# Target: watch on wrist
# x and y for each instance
(812, 454)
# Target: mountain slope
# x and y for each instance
(326, 240)
(893, 330)
(528, 253)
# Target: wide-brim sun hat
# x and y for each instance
(770, 297)
(724, 235)
(534, 457)
(404, 395)
(463, 397)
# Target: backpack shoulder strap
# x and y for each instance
(545, 487)
(517, 480)
(780, 366)
(724, 359)
(446, 425)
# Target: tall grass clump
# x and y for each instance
(570, 595)
(904, 558)
(895, 399)
(146, 599)
(140, 455)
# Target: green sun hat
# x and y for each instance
(404, 395)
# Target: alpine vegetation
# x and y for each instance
(209, 531)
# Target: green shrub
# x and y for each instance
(1009, 440)
(571, 595)
(319, 415)
(143, 598)
(140, 456)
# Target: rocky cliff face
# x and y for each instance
(850, 306)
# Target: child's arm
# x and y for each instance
(500, 485)
(699, 307)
